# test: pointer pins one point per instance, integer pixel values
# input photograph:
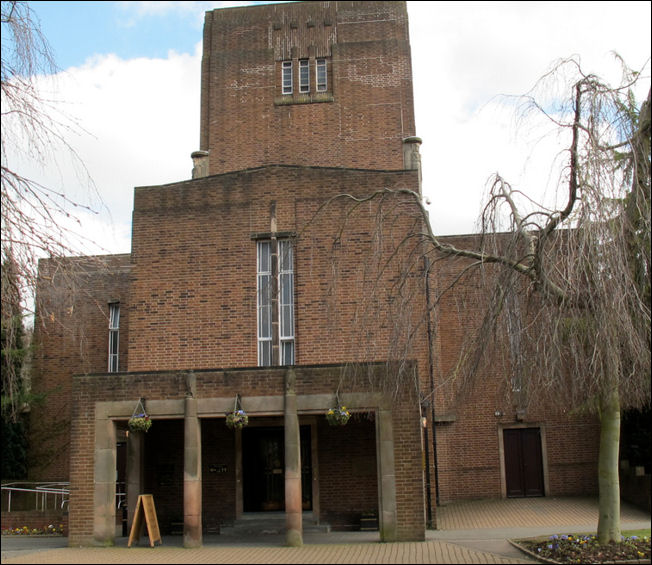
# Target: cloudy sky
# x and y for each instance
(130, 77)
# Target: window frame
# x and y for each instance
(114, 338)
(286, 77)
(286, 302)
(304, 76)
(281, 289)
(264, 279)
(321, 68)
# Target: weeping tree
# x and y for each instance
(569, 282)
(15, 393)
(38, 221)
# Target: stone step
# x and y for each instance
(269, 523)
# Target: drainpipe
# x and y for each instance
(426, 441)
(431, 370)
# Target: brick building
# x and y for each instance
(252, 286)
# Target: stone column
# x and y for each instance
(386, 475)
(105, 470)
(293, 509)
(411, 155)
(192, 502)
(135, 458)
(199, 164)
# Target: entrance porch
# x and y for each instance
(204, 476)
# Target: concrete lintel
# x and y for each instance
(264, 404)
(165, 408)
(125, 408)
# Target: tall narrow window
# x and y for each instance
(264, 284)
(286, 302)
(322, 80)
(286, 77)
(114, 336)
(275, 303)
(304, 75)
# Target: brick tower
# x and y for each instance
(324, 84)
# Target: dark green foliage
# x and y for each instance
(14, 450)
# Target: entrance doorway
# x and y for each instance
(263, 469)
(523, 462)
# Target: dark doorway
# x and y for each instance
(121, 486)
(523, 462)
(263, 469)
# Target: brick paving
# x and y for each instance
(416, 552)
(470, 532)
(526, 512)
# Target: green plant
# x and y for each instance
(140, 423)
(237, 419)
(338, 416)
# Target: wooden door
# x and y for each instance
(523, 462)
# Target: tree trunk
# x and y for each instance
(608, 480)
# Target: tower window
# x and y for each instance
(322, 75)
(304, 75)
(286, 76)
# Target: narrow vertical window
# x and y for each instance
(286, 77)
(286, 302)
(322, 80)
(114, 336)
(304, 75)
(264, 284)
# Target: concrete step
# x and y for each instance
(269, 523)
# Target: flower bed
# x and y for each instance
(586, 549)
(50, 529)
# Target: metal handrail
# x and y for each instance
(41, 490)
(57, 488)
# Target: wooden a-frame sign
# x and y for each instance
(145, 514)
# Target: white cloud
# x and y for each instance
(143, 114)
(465, 54)
(141, 122)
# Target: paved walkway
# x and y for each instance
(470, 532)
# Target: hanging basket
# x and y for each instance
(338, 416)
(139, 421)
(237, 419)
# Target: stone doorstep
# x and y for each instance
(268, 523)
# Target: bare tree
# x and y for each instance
(37, 221)
(568, 285)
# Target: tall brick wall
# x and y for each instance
(193, 291)
(71, 337)
(468, 440)
(358, 123)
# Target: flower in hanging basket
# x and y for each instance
(338, 416)
(237, 419)
(140, 423)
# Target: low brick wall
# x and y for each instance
(35, 519)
